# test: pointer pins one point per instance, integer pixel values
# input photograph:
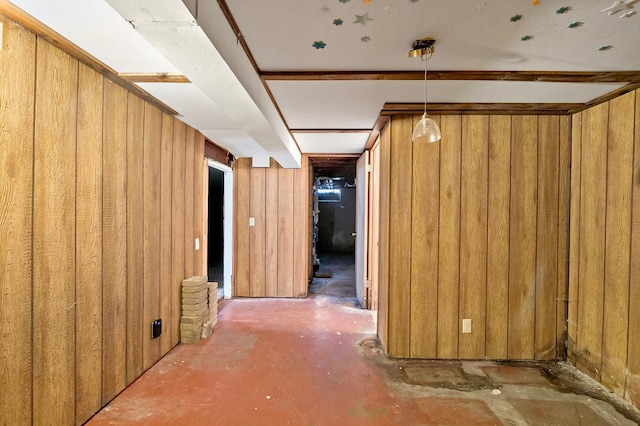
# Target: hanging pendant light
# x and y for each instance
(426, 129)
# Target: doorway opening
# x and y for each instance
(334, 226)
(219, 235)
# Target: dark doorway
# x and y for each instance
(334, 227)
(215, 248)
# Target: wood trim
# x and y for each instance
(159, 77)
(548, 76)
(330, 130)
(482, 108)
(381, 122)
(39, 29)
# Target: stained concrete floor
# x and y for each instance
(317, 361)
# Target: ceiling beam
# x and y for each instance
(163, 77)
(481, 108)
(545, 76)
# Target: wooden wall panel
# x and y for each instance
(272, 252)
(257, 242)
(135, 236)
(399, 253)
(16, 215)
(522, 230)
(152, 148)
(114, 245)
(54, 236)
(498, 236)
(177, 226)
(385, 225)
(302, 270)
(473, 233)
(166, 243)
(617, 242)
(573, 305)
(425, 188)
(592, 225)
(564, 187)
(199, 263)
(89, 246)
(285, 226)
(547, 237)
(449, 242)
(242, 266)
(189, 197)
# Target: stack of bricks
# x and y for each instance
(199, 306)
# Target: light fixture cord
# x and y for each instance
(426, 58)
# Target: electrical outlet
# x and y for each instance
(252, 221)
(197, 244)
(466, 325)
(156, 328)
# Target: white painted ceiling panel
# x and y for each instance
(331, 142)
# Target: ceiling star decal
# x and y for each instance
(344, 1)
(526, 38)
(365, 39)
(535, 2)
(605, 47)
(413, 1)
(367, 2)
(325, 9)
(575, 24)
(362, 19)
(516, 18)
(337, 22)
(319, 44)
(620, 6)
(628, 14)
(387, 8)
(563, 9)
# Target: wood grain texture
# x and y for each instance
(522, 230)
(498, 236)
(564, 190)
(617, 243)
(177, 227)
(151, 232)
(425, 194)
(285, 223)
(89, 246)
(547, 237)
(114, 244)
(135, 237)
(473, 233)
(54, 236)
(242, 251)
(592, 230)
(272, 253)
(383, 247)
(199, 261)
(302, 228)
(374, 224)
(16, 219)
(632, 392)
(449, 242)
(573, 305)
(257, 243)
(400, 239)
(189, 202)
(166, 241)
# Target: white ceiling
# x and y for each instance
(228, 102)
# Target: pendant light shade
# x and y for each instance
(426, 130)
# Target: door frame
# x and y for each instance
(227, 224)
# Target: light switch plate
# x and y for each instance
(252, 221)
(466, 325)
(197, 244)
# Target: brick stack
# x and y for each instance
(213, 310)
(195, 308)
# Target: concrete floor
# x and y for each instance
(317, 361)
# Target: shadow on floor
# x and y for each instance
(335, 278)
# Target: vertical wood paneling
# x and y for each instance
(177, 226)
(272, 252)
(592, 226)
(449, 241)
(199, 267)
(383, 248)
(114, 244)
(473, 233)
(498, 236)
(400, 239)
(242, 187)
(189, 198)
(425, 186)
(632, 392)
(563, 234)
(16, 215)
(522, 237)
(302, 228)
(135, 231)
(89, 246)
(151, 238)
(285, 239)
(547, 237)
(54, 236)
(573, 305)
(166, 242)
(257, 243)
(618, 229)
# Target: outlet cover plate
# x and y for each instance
(466, 325)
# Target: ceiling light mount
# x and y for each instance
(426, 129)
(422, 47)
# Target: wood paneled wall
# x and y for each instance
(95, 227)
(271, 258)
(474, 227)
(604, 274)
